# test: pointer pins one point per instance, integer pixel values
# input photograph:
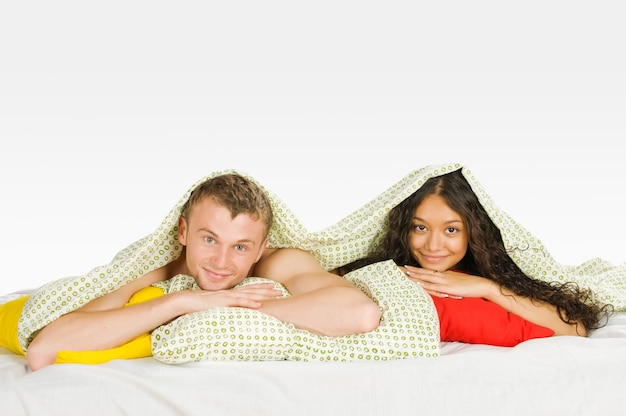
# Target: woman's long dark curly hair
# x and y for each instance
(486, 255)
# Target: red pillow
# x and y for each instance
(479, 321)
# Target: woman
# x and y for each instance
(443, 239)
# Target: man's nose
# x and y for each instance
(220, 257)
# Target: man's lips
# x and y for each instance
(215, 276)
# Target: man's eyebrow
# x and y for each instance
(248, 240)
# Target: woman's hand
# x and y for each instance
(449, 283)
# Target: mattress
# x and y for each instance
(556, 375)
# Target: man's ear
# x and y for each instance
(182, 230)
(263, 247)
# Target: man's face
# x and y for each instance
(220, 250)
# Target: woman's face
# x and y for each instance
(438, 237)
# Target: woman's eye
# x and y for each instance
(420, 227)
(451, 230)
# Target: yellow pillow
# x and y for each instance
(137, 348)
(9, 315)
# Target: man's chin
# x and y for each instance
(215, 286)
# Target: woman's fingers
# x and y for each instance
(433, 281)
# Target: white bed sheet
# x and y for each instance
(555, 376)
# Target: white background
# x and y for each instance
(109, 112)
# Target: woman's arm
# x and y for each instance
(539, 313)
(452, 283)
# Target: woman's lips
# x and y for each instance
(433, 259)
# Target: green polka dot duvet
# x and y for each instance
(409, 326)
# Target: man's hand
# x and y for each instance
(249, 296)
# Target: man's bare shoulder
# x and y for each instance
(280, 252)
(158, 275)
(277, 263)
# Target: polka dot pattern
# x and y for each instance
(347, 240)
(222, 333)
(409, 328)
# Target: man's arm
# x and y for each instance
(105, 323)
(321, 302)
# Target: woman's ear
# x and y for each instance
(182, 230)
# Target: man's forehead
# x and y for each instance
(218, 220)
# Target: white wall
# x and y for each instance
(109, 113)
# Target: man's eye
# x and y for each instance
(209, 239)
(240, 248)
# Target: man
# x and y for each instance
(224, 229)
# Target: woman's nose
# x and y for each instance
(434, 242)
